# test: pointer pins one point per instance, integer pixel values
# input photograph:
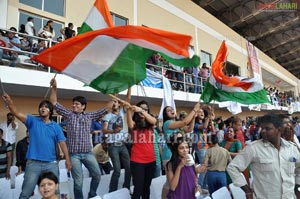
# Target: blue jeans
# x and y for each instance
(216, 180)
(118, 154)
(202, 180)
(196, 83)
(33, 169)
(90, 162)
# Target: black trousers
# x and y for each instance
(142, 174)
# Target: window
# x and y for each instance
(119, 20)
(53, 6)
(232, 69)
(39, 22)
(205, 58)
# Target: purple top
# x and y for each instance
(186, 185)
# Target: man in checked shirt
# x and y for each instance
(78, 123)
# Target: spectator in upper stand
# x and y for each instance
(196, 80)
(188, 79)
(203, 73)
(78, 30)
(59, 39)
(21, 150)
(14, 43)
(22, 29)
(40, 47)
(47, 31)
(29, 27)
(25, 43)
(68, 33)
(5, 157)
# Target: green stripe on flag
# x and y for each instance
(211, 93)
(84, 28)
(184, 62)
(128, 69)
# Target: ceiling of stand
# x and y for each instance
(274, 30)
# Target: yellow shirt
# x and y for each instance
(100, 154)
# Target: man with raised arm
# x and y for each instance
(44, 136)
(78, 123)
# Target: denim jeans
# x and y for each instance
(90, 162)
(33, 169)
(142, 178)
(215, 180)
(202, 180)
(196, 83)
(118, 154)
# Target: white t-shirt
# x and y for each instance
(28, 27)
(9, 134)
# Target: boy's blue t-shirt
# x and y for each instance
(44, 138)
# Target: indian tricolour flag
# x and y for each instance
(113, 59)
(98, 18)
(223, 88)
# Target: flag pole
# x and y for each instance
(49, 88)
(116, 98)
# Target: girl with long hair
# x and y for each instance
(142, 159)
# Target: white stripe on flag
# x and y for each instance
(98, 56)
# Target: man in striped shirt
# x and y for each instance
(78, 123)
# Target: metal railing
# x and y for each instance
(182, 85)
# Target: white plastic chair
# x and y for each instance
(5, 191)
(62, 164)
(156, 186)
(221, 193)
(237, 192)
(103, 187)
(119, 194)
(18, 185)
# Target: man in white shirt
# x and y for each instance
(274, 162)
(10, 128)
(29, 27)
